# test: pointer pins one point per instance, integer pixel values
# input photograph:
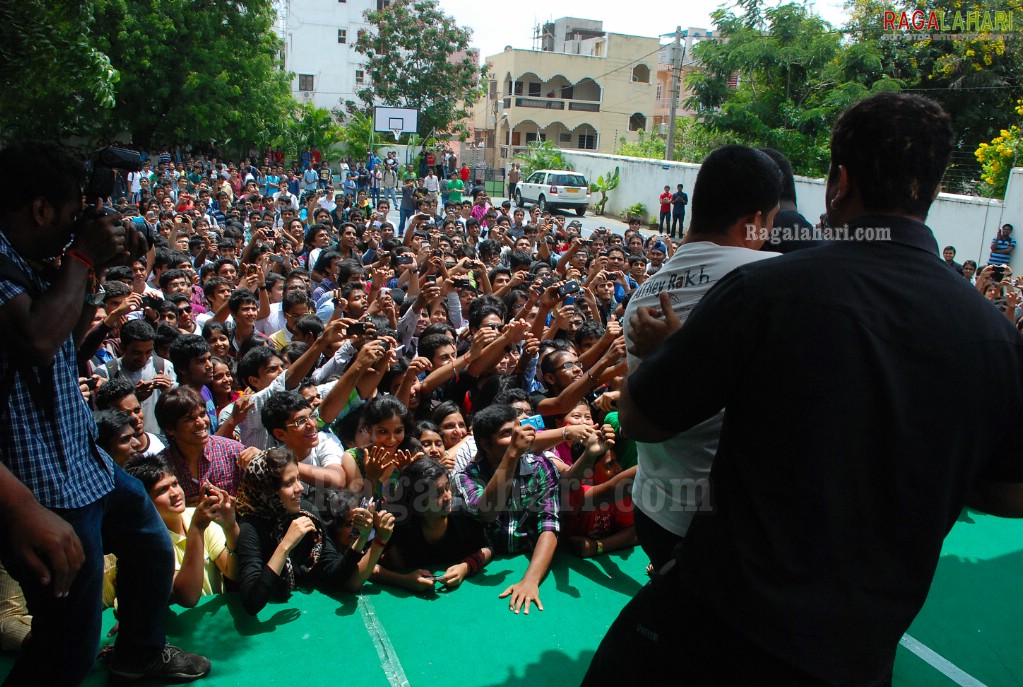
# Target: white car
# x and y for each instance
(554, 188)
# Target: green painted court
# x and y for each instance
(971, 627)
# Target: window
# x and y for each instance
(305, 82)
(587, 141)
(637, 122)
(660, 91)
(535, 178)
(641, 73)
(534, 90)
(360, 75)
(565, 138)
(381, 4)
(518, 88)
(342, 35)
(567, 92)
(535, 137)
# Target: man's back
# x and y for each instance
(836, 481)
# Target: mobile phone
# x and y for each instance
(568, 287)
(437, 253)
(431, 278)
(997, 271)
(463, 284)
(385, 343)
(277, 258)
(151, 302)
(269, 233)
(535, 421)
(357, 329)
(92, 383)
(404, 260)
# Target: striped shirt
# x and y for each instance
(48, 436)
(532, 508)
(1001, 258)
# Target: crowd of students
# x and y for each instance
(312, 396)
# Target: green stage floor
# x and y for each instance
(971, 627)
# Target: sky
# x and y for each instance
(511, 22)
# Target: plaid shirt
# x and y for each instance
(48, 436)
(218, 466)
(532, 508)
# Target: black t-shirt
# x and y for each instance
(463, 536)
(843, 460)
(791, 231)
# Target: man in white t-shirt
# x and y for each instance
(322, 461)
(672, 479)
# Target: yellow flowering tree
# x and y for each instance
(998, 157)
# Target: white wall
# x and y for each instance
(966, 222)
(311, 47)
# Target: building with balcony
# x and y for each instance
(691, 37)
(584, 90)
(319, 37)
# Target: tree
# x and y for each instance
(604, 185)
(999, 157)
(541, 155)
(411, 63)
(694, 141)
(54, 80)
(794, 76)
(193, 71)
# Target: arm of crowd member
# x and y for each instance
(483, 277)
(573, 248)
(492, 353)
(332, 333)
(543, 249)
(571, 395)
(546, 303)
(94, 337)
(984, 278)
(494, 498)
(46, 544)
(260, 579)
(612, 332)
(416, 367)
(370, 380)
(239, 411)
(1012, 301)
(257, 237)
(337, 398)
(610, 491)
(442, 374)
(453, 304)
(187, 587)
(527, 590)
(518, 278)
(597, 443)
(226, 517)
(38, 327)
(408, 323)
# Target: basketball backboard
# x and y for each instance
(397, 120)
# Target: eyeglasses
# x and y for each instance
(569, 366)
(299, 423)
(186, 309)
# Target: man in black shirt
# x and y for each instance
(679, 200)
(842, 464)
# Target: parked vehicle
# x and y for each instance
(551, 189)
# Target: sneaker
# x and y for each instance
(169, 663)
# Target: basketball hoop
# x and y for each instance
(397, 134)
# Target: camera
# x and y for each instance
(535, 421)
(357, 329)
(151, 302)
(462, 284)
(404, 260)
(568, 287)
(100, 184)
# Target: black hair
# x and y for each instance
(293, 351)
(895, 148)
(148, 469)
(170, 275)
(442, 411)
(309, 324)
(788, 181)
(212, 327)
(254, 359)
(112, 391)
(431, 343)
(23, 164)
(175, 404)
(239, 298)
(279, 408)
(513, 395)
(186, 348)
(324, 259)
(110, 423)
(488, 421)
(589, 330)
(293, 298)
(115, 289)
(166, 333)
(519, 259)
(347, 268)
(136, 330)
(717, 204)
(418, 484)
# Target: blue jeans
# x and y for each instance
(65, 632)
(391, 195)
(403, 217)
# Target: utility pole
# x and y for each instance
(676, 91)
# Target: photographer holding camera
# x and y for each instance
(63, 502)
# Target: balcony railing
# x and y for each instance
(551, 103)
